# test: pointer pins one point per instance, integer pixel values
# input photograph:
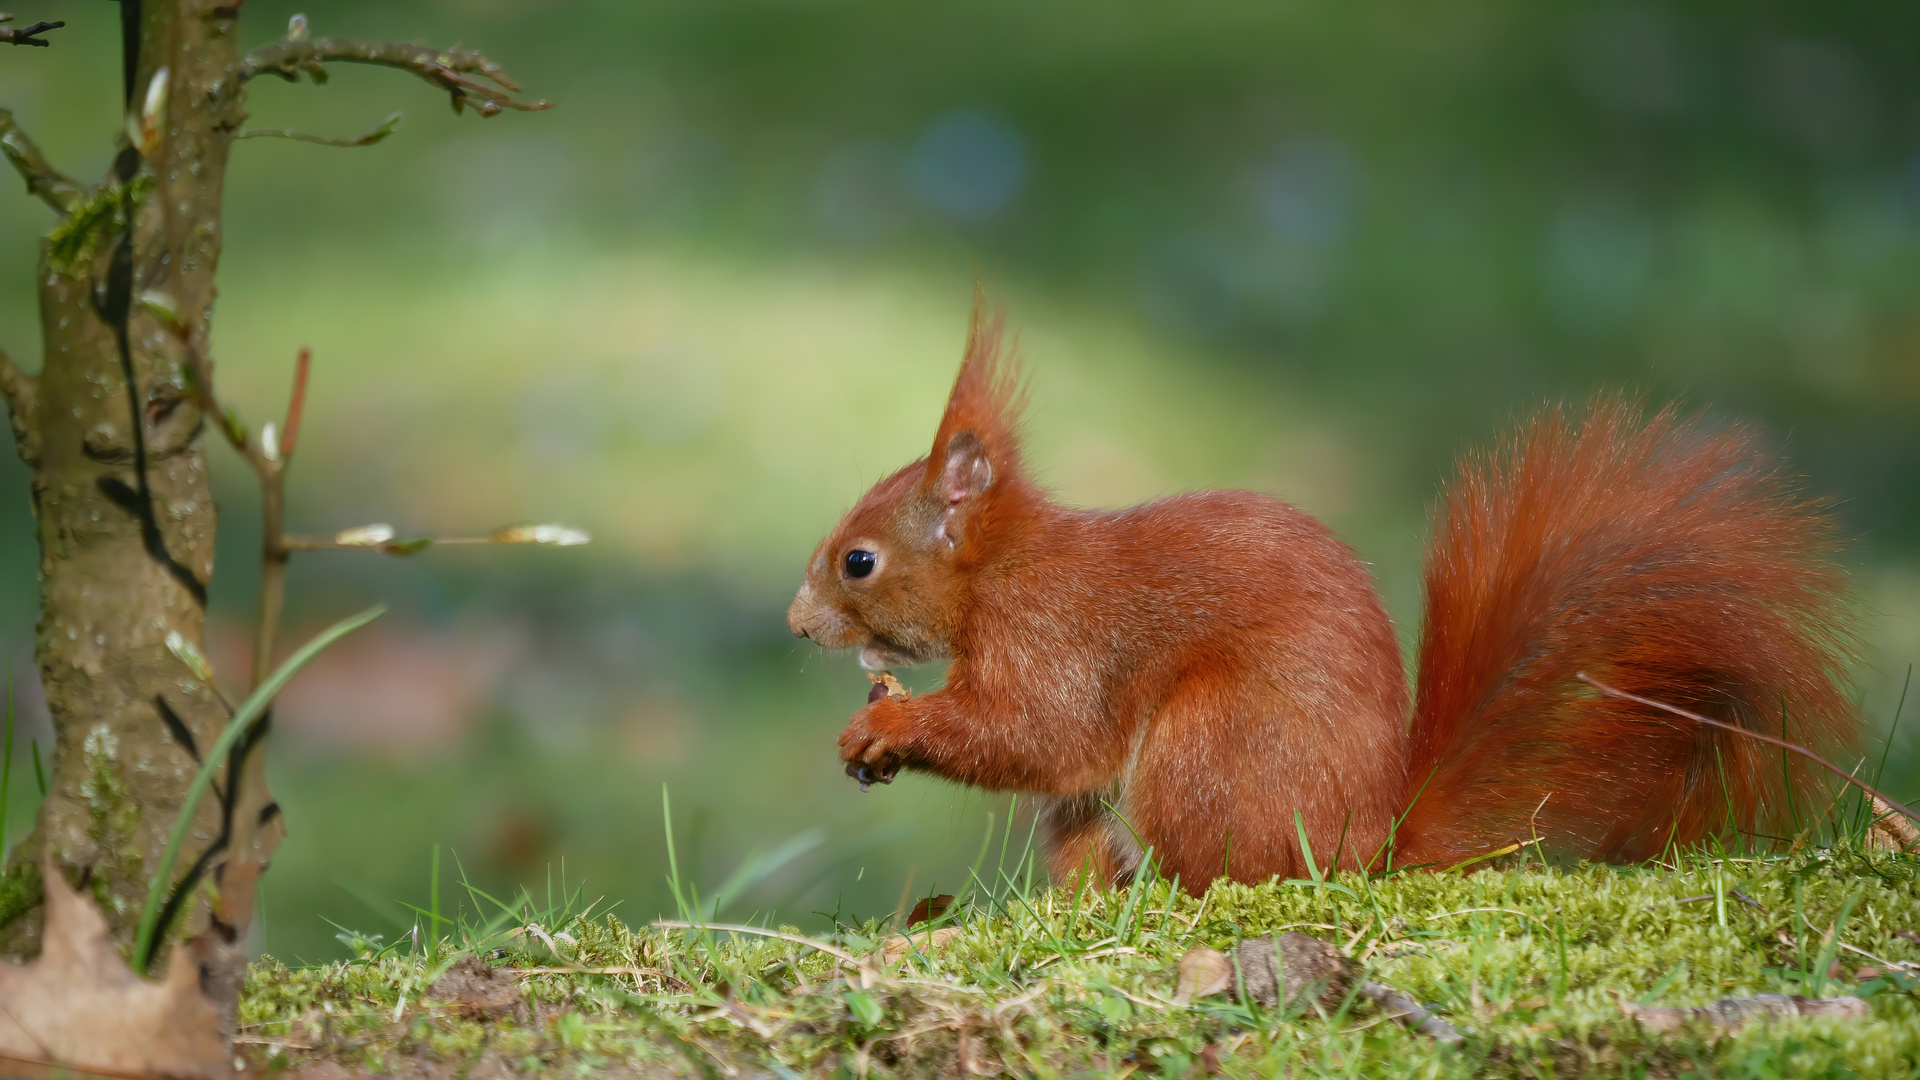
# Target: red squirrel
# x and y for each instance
(1191, 674)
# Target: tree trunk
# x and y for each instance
(111, 430)
(112, 433)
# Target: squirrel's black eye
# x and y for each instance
(860, 563)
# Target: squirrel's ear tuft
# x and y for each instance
(982, 421)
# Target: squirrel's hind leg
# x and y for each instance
(1081, 839)
(1229, 771)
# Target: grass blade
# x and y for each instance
(250, 711)
(1306, 849)
(433, 898)
(6, 770)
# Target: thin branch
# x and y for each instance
(201, 367)
(296, 403)
(457, 71)
(1408, 1013)
(380, 538)
(51, 185)
(268, 464)
(377, 134)
(276, 455)
(1738, 730)
(26, 35)
(270, 454)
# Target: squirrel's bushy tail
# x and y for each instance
(1662, 559)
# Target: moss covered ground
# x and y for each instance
(1531, 962)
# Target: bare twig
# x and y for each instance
(1884, 803)
(759, 931)
(377, 134)
(273, 457)
(297, 403)
(453, 70)
(1408, 1013)
(270, 454)
(381, 539)
(200, 365)
(1467, 911)
(26, 35)
(268, 463)
(21, 391)
(43, 180)
(1885, 964)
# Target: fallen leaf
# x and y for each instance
(899, 945)
(1203, 973)
(929, 908)
(79, 1004)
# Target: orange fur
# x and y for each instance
(1660, 559)
(1213, 666)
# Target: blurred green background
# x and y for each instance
(1312, 249)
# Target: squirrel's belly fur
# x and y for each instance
(1218, 670)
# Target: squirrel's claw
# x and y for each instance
(869, 745)
(867, 774)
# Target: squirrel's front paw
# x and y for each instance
(869, 749)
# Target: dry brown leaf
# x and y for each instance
(79, 1004)
(1203, 973)
(900, 945)
(928, 908)
(1729, 1013)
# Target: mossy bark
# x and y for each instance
(112, 433)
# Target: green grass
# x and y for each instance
(1531, 962)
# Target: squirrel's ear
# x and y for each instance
(965, 472)
(964, 475)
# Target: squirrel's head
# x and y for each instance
(892, 577)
